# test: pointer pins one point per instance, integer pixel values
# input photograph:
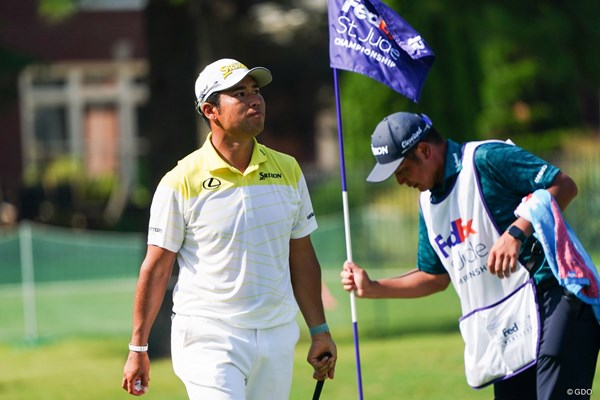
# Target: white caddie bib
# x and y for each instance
(500, 323)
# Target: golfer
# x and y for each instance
(523, 332)
(237, 216)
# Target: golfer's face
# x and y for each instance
(242, 108)
(416, 172)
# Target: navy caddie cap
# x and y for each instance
(393, 138)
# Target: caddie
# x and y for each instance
(523, 331)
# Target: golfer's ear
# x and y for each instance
(424, 149)
(208, 110)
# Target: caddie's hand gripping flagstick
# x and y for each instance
(347, 229)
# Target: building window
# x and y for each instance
(87, 112)
(50, 133)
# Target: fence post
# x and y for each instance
(28, 282)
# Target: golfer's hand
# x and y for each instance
(504, 256)
(136, 368)
(354, 278)
(323, 367)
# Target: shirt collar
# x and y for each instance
(214, 161)
(452, 166)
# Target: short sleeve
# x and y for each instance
(427, 259)
(306, 221)
(508, 173)
(513, 167)
(167, 223)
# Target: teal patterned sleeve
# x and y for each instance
(502, 166)
(427, 259)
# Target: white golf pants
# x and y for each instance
(216, 361)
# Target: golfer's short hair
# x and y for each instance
(433, 137)
(213, 99)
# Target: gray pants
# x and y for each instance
(569, 345)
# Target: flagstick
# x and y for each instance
(347, 228)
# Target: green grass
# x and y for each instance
(427, 366)
(66, 309)
(103, 307)
(410, 349)
(411, 367)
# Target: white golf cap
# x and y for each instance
(224, 74)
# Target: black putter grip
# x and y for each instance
(320, 384)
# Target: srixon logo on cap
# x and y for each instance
(377, 151)
(227, 70)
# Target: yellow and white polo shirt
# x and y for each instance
(231, 232)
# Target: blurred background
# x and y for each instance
(97, 103)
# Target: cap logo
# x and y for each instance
(377, 151)
(412, 139)
(227, 70)
(206, 89)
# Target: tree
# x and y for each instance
(504, 69)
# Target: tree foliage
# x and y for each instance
(503, 69)
(511, 68)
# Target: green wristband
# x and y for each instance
(318, 329)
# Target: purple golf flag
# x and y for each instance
(368, 37)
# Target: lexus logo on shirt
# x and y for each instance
(211, 184)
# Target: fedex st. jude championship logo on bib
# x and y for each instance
(469, 250)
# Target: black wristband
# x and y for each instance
(517, 233)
